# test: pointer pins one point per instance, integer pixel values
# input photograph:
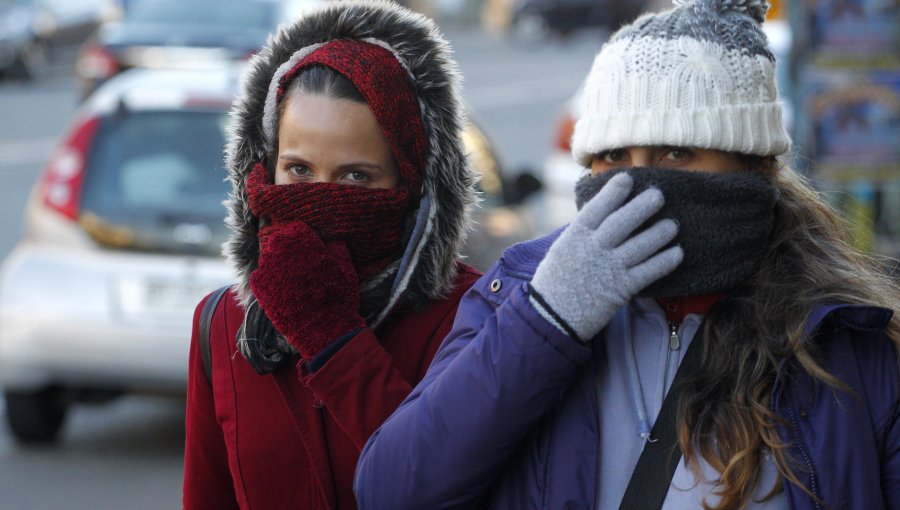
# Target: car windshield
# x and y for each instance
(156, 181)
(235, 15)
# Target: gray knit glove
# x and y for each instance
(597, 264)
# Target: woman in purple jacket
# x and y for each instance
(691, 232)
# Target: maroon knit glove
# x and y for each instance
(307, 288)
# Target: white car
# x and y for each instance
(121, 239)
(560, 171)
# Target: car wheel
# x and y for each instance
(33, 62)
(36, 416)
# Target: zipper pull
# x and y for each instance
(674, 341)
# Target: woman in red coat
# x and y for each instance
(349, 205)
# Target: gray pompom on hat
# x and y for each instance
(698, 75)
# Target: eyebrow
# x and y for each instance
(363, 164)
(291, 157)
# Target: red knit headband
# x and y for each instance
(388, 89)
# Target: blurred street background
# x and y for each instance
(127, 453)
(68, 445)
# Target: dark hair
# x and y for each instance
(725, 417)
(325, 81)
(258, 340)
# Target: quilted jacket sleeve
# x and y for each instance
(500, 368)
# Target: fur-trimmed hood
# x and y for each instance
(441, 222)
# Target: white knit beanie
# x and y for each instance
(699, 75)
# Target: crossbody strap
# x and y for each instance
(206, 315)
(653, 473)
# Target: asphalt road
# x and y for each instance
(127, 453)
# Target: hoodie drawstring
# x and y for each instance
(637, 393)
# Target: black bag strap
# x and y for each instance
(206, 315)
(653, 473)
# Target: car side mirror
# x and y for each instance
(520, 187)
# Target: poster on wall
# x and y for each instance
(844, 28)
(851, 123)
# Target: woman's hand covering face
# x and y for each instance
(307, 287)
(599, 262)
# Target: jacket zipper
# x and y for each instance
(809, 465)
(674, 340)
(852, 326)
(674, 345)
(517, 274)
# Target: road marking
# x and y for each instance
(27, 151)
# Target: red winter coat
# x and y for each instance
(243, 448)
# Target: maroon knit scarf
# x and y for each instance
(370, 221)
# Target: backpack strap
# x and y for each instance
(206, 315)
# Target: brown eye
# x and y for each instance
(678, 153)
(613, 156)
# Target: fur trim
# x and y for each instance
(448, 187)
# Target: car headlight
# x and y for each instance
(482, 156)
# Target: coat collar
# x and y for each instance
(864, 317)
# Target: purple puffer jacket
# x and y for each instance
(506, 417)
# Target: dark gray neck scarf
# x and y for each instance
(725, 221)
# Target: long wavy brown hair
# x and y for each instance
(724, 416)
